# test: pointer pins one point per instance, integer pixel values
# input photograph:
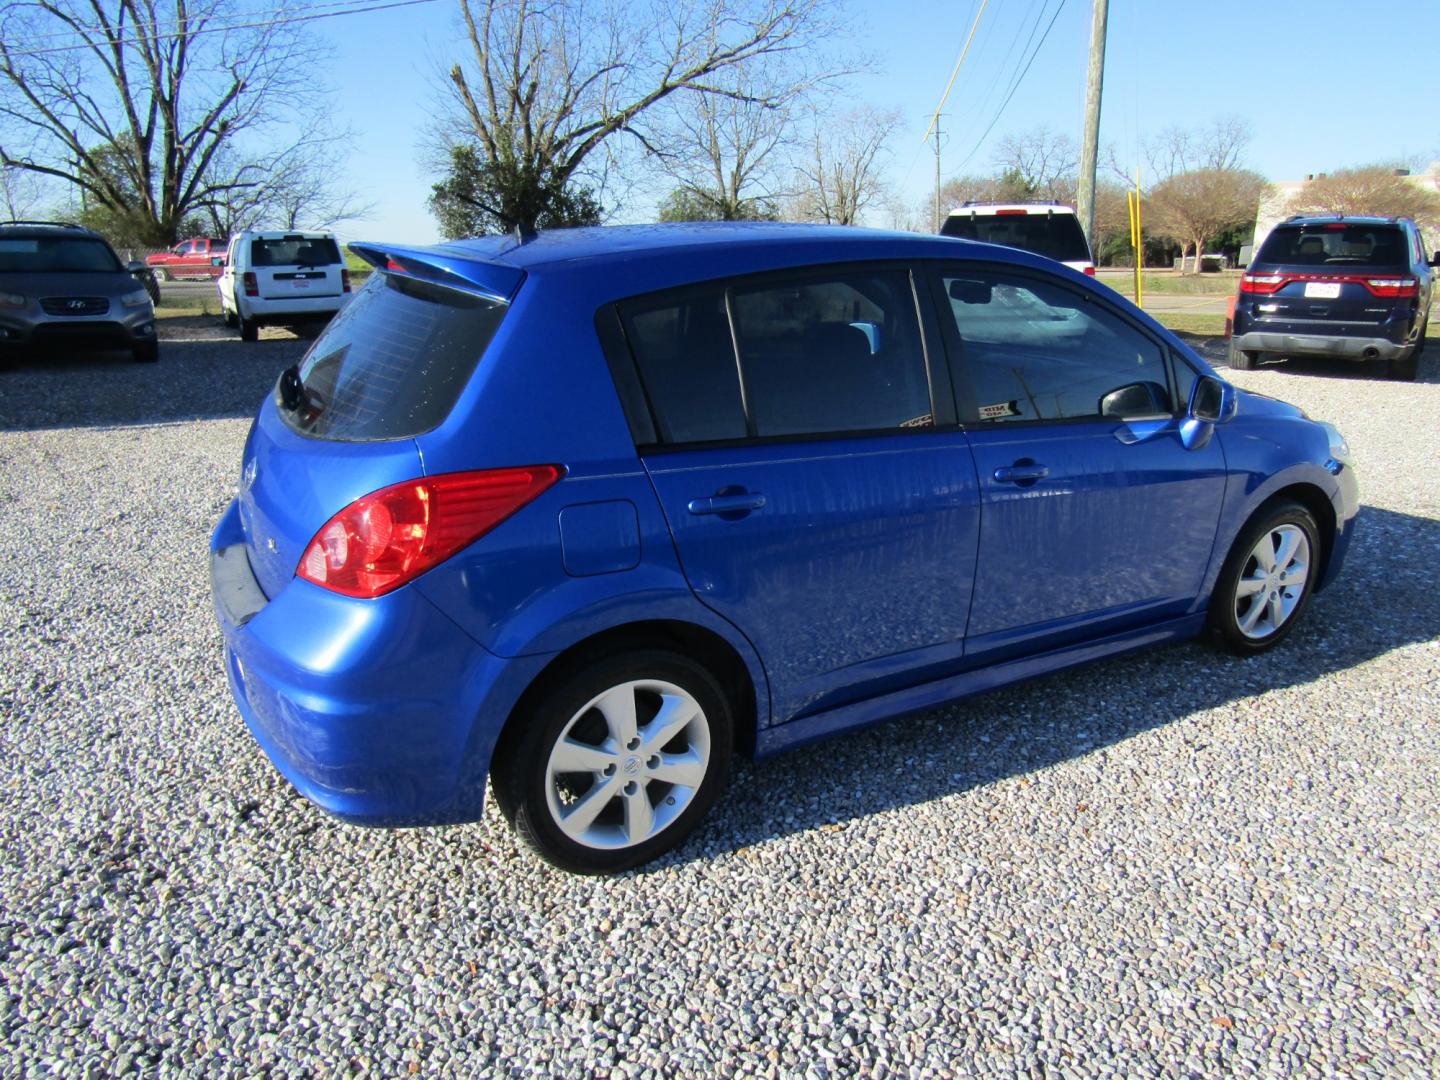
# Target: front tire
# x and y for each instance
(1266, 582)
(617, 763)
(161, 274)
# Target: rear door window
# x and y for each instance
(294, 251)
(391, 364)
(831, 353)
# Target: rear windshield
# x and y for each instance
(1334, 244)
(56, 254)
(294, 251)
(1056, 236)
(391, 364)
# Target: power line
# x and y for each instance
(277, 21)
(955, 71)
(221, 23)
(1016, 85)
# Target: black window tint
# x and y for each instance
(392, 363)
(1037, 351)
(1056, 236)
(836, 354)
(687, 363)
(294, 251)
(1334, 244)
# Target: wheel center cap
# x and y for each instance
(632, 766)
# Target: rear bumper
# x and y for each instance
(259, 309)
(1348, 348)
(381, 712)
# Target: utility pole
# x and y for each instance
(1090, 151)
(937, 172)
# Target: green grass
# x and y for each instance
(1222, 284)
(1187, 323)
(175, 306)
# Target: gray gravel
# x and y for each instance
(1174, 864)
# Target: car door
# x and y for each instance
(817, 497)
(1096, 517)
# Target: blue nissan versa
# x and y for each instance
(587, 512)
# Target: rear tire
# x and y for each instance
(615, 764)
(1407, 368)
(1241, 360)
(248, 330)
(147, 352)
(1255, 605)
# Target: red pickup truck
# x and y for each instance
(200, 257)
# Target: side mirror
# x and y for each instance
(217, 260)
(970, 292)
(1212, 400)
(1135, 400)
(135, 266)
(1435, 259)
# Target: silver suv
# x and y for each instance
(63, 287)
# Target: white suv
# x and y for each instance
(281, 277)
(1045, 228)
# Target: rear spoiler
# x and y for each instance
(493, 281)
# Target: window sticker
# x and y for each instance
(996, 412)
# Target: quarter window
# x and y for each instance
(1034, 350)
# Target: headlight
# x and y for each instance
(139, 298)
(1339, 448)
(12, 300)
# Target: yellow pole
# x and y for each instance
(1139, 244)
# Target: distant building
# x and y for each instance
(1277, 206)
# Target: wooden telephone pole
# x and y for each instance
(1090, 151)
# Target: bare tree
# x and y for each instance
(548, 84)
(1368, 189)
(726, 151)
(1219, 145)
(1046, 162)
(1192, 207)
(19, 192)
(171, 92)
(843, 177)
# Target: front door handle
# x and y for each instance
(1022, 472)
(738, 503)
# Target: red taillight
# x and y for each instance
(1089, 271)
(252, 286)
(381, 541)
(344, 280)
(1392, 286)
(1262, 283)
(1006, 213)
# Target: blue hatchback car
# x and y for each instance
(585, 513)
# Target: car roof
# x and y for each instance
(1348, 219)
(973, 209)
(46, 228)
(723, 241)
(282, 234)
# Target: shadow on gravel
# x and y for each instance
(1025, 728)
(196, 379)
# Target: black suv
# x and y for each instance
(1353, 287)
(62, 286)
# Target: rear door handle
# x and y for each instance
(1021, 474)
(739, 503)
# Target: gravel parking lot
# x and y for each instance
(1173, 864)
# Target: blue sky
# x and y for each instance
(1324, 83)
